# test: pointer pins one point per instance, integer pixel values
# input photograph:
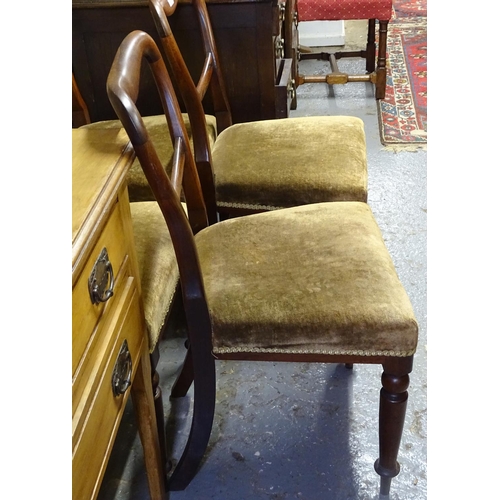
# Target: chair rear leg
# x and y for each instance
(203, 366)
(370, 47)
(393, 399)
(185, 377)
(381, 60)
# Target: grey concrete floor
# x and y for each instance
(307, 431)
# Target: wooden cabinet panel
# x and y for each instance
(101, 219)
(244, 31)
(85, 314)
(104, 409)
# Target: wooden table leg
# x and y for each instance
(142, 397)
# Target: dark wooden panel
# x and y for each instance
(243, 32)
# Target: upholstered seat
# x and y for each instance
(311, 283)
(252, 172)
(158, 269)
(282, 301)
(326, 10)
(138, 187)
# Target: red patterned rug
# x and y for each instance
(403, 112)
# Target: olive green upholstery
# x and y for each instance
(138, 187)
(315, 279)
(158, 269)
(284, 163)
(271, 163)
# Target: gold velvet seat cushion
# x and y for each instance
(158, 269)
(291, 162)
(311, 279)
(138, 187)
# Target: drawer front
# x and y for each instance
(89, 369)
(85, 314)
(103, 410)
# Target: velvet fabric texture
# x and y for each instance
(269, 164)
(310, 279)
(138, 187)
(158, 269)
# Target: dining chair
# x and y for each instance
(377, 13)
(312, 283)
(267, 164)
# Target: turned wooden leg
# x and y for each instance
(393, 398)
(381, 61)
(370, 47)
(142, 397)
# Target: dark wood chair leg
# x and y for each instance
(370, 47)
(381, 60)
(203, 365)
(185, 377)
(393, 398)
(158, 403)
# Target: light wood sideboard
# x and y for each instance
(109, 341)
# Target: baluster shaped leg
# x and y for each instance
(393, 398)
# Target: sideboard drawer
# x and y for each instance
(102, 409)
(86, 315)
(89, 369)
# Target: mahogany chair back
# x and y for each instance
(211, 77)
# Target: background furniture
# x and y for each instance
(80, 115)
(109, 339)
(343, 10)
(249, 36)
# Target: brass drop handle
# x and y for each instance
(101, 275)
(121, 378)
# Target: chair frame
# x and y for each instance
(211, 77)
(199, 366)
(192, 95)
